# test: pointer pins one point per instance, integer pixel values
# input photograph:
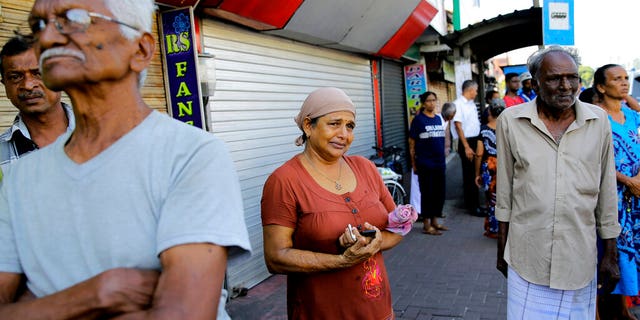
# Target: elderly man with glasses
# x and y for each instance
(133, 214)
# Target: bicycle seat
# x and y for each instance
(378, 161)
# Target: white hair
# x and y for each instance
(138, 13)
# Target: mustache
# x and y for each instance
(30, 95)
(59, 51)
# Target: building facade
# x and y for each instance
(265, 65)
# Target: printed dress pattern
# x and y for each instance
(488, 173)
(626, 143)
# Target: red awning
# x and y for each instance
(274, 13)
(384, 28)
(178, 3)
(412, 28)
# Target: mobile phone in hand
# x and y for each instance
(368, 233)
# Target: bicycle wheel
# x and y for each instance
(397, 192)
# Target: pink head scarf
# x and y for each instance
(320, 102)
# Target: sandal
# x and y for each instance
(440, 227)
(432, 231)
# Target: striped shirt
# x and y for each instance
(16, 141)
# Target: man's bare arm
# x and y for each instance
(111, 292)
(468, 151)
(190, 284)
(609, 271)
(9, 285)
(503, 232)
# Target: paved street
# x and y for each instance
(452, 276)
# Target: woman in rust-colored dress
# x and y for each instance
(316, 208)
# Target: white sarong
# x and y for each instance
(528, 301)
(414, 196)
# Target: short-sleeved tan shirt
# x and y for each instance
(555, 195)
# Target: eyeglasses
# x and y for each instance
(72, 21)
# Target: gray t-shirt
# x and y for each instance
(162, 184)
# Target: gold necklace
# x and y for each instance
(338, 186)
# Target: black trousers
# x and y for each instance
(469, 176)
(432, 187)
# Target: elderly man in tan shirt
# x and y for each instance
(556, 188)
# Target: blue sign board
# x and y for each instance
(181, 66)
(557, 22)
(517, 68)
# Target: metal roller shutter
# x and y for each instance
(261, 82)
(394, 109)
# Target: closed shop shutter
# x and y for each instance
(261, 82)
(394, 109)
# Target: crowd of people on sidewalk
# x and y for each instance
(93, 222)
(554, 169)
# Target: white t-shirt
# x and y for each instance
(467, 114)
(162, 184)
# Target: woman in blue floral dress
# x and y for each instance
(486, 164)
(611, 83)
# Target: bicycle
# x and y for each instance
(390, 159)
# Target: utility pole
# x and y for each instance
(536, 3)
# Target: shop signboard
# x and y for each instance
(180, 58)
(416, 84)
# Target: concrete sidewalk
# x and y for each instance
(452, 276)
